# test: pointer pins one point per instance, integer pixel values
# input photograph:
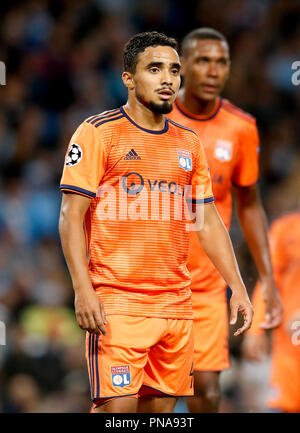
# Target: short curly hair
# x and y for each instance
(201, 33)
(139, 42)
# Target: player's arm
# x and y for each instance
(89, 309)
(255, 341)
(254, 225)
(217, 245)
(83, 170)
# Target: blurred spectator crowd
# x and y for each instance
(63, 63)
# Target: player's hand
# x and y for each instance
(254, 347)
(242, 304)
(90, 312)
(274, 309)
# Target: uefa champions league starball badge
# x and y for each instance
(74, 155)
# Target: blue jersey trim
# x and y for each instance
(209, 200)
(93, 366)
(108, 120)
(162, 131)
(78, 190)
(181, 126)
(111, 113)
(200, 200)
(200, 120)
(97, 371)
(90, 363)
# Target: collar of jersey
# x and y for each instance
(201, 117)
(151, 131)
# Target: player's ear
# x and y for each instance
(128, 81)
(182, 68)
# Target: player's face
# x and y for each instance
(157, 78)
(206, 68)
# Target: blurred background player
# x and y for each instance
(133, 294)
(63, 61)
(231, 144)
(285, 346)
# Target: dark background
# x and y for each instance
(64, 63)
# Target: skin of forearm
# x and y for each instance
(74, 248)
(253, 222)
(254, 225)
(216, 243)
(259, 309)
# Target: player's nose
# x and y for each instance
(166, 77)
(212, 70)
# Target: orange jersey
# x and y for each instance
(285, 254)
(135, 226)
(285, 356)
(231, 145)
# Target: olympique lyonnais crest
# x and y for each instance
(223, 150)
(120, 376)
(185, 159)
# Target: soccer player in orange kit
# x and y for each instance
(132, 295)
(231, 144)
(285, 352)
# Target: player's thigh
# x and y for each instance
(118, 405)
(170, 361)
(206, 382)
(211, 348)
(156, 404)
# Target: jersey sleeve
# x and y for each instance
(247, 168)
(84, 162)
(201, 187)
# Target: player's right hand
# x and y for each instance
(254, 347)
(90, 312)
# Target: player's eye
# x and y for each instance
(175, 71)
(202, 61)
(222, 62)
(154, 69)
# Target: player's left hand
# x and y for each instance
(273, 309)
(242, 304)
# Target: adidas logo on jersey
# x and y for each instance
(132, 155)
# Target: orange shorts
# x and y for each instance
(211, 351)
(285, 382)
(141, 355)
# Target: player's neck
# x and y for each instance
(195, 105)
(143, 116)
